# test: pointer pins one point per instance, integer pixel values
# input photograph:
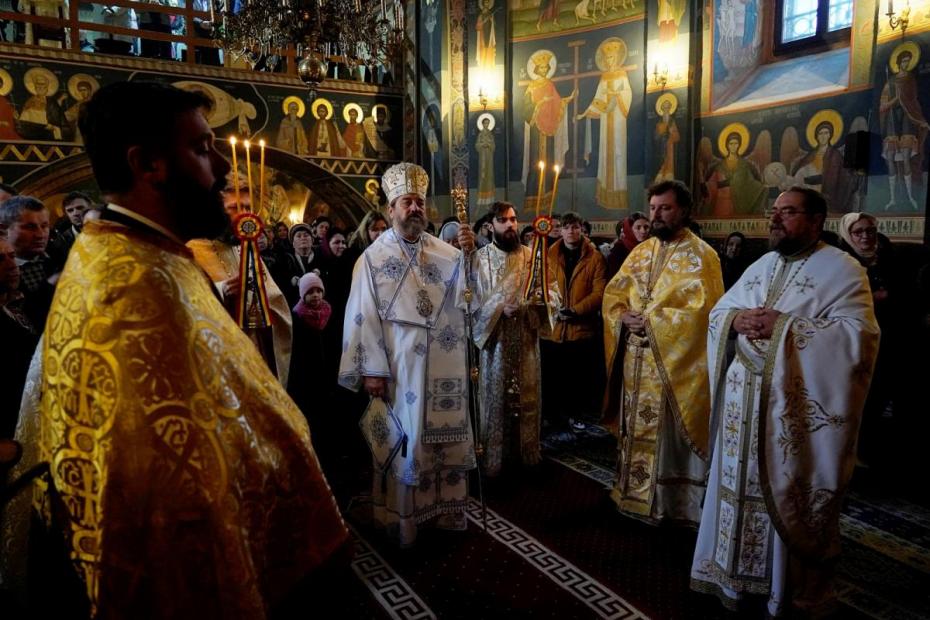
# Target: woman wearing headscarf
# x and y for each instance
(633, 231)
(860, 237)
(733, 260)
(449, 233)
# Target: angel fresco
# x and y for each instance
(734, 184)
(822, 168)
(903, 125)
(224, 108)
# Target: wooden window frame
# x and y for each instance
(821, 41)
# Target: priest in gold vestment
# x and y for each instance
(655, 317)
(183, 483)
(220, 259)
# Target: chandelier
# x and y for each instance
(355, 32)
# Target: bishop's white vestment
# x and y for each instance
(404, 322)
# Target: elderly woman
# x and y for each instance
(860, 237)
(631, 231)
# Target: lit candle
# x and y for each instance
(261, 179)
(235, 167)
(248, 170)
(542, 181)
(555, 186)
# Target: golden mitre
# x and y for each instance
(404, 178)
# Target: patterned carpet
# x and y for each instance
(555, 547)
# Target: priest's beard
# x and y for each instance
(508, 241)
(663, 231)
(412, 226)
(786, 246)
(199, 210)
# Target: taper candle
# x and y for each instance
(235, 167)
(248, 169)
(555, 186)
(542, 182)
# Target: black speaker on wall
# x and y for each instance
(856, 155)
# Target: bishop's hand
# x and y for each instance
(466, 239)
(376, 386)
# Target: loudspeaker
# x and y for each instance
(856, 155)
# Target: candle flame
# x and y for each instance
(232, 140)
(246, 144)
(261, 143)
(556, 168)
(542, 164)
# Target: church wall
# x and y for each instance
(708, 65)
(777, 109)
(246, 106)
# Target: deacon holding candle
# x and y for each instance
(234, 258)
(506, 327)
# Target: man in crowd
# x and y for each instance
(26, 223)
(75, 205)
(572, 353)
(404, 342)
(220, 259)
(506, 329)
(655, 326)
(788, 407)
(185, 483)
(19, 338)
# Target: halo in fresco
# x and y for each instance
(380, 109)
(41, 71)
(6, 82)
(76, 79)
(541, 57)
(825, 116)
(484, 116)
(670, 97)
(320, 101)
(610, 54)
(909, 46)
(738, 128)
(358, 110)
(301, 108)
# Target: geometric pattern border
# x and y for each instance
(595, 472)
(394, 594)
(603, 601)
(35, 152)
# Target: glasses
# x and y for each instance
(864, 232)
(785, 214)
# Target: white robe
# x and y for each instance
(424, 361)
(786, 413)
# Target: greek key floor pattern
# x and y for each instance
(394, 594)
(879, 574)
(603, 602)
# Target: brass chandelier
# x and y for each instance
(355, 32)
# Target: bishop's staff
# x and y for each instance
(460, 200)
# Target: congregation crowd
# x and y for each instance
(736, 380)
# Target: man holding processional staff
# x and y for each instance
(260, 307)
(516, 300)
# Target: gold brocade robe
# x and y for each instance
(221, 262)
(183, 475)
(662, 377)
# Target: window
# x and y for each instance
(807, 24)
